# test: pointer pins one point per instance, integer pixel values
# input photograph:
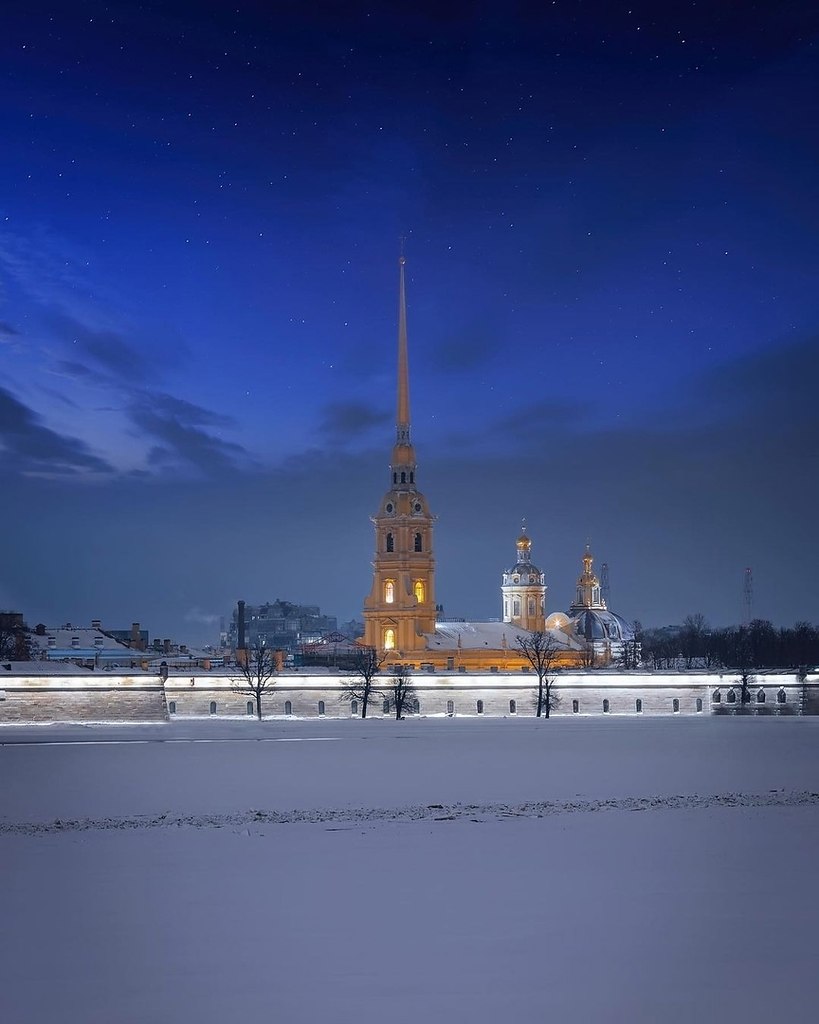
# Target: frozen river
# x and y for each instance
(436, 870)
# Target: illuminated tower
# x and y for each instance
(588, 587)
(401, 606)
(524, 589)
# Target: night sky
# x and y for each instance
(610, 213)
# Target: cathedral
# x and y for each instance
(400, 613)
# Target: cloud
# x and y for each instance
(107, 348)
(30, 447)
(177, 425)
(345, 421)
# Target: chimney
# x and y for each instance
(39, 629)
(99, 641)
(52, 641)
(75, 642)
(241, 626)
(96, 623)
(166, 646)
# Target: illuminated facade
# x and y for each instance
(400, 609)
(524, 589)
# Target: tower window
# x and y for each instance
(418, 542)
(403, 478)
(531, 606)
(412, 477)
(395, 478)
(516, 606)
(420, 591)
(390, 542)
(389, 639)
(389, 591)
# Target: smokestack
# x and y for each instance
(241, 626)
(134, 636)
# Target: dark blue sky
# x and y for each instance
(611, 221)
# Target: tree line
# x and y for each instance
(758, 645)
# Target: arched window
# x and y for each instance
(531, 606)
(513, 707)
(699, 703)
(403, 478)
(420, 591)
(395, 478)
(639, 705)
(172, 707)
(450, 707)
(288, 707)
(716, 697)
(675, 705)
(418, 542)
(760, 696)
(389, 639)
(250, 708)
(516, 606)
(354, 707)
(780, 697)
(575, 706)
(386, 705)
(606, 706)
(412, 477)
(389, 591)
(731, 697)
(480, 707)
(390, 542)
(213, 707)
(506, 608)
(321, 707)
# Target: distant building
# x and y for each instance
(281, 625)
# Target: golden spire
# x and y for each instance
(402, 419)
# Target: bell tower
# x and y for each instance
(588, 593)
(524, 589)
(400, 608)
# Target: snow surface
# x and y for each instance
(448, 870)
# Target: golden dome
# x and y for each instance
(523, 543)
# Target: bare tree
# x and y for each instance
(257, 665)
(542, 650)
(367, 663)
(15, 638)
(401, 695)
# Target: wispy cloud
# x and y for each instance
(27, 446)
(342, 422)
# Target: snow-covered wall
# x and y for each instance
(93, 697)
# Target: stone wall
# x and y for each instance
(143, 699)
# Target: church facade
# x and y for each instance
(400, 619)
